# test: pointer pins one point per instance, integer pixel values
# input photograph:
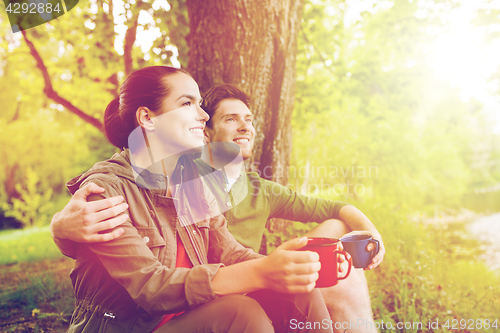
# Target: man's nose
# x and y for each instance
(244, 126)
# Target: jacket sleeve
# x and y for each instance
(224, 248)
(66, 246)
(153, 286)
(290, 205)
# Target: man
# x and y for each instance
(249, 202)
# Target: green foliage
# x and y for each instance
(373, 126)
(31, 244)
(429, 273)
(78, 50)
(32, 208)
(368, 101)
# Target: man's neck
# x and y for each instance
(232, 169)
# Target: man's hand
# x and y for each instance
(361, 225)
(81, 221)
(380, 255)
(289, 271)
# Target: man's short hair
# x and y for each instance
(213, 96)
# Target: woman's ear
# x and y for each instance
(145, 119)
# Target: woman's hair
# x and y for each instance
(145, 87)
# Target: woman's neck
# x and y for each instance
(143, 158)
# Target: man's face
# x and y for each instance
(232, 122)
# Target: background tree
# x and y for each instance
(252, 44)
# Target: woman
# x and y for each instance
(176, 268)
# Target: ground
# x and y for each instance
(36, 296)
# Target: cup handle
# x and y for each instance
(349, 261)
(377, 247)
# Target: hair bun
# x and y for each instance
(114, 124)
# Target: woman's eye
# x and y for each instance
(230, 119)
(187, 103)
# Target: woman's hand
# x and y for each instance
(287, 270)
(81, 221)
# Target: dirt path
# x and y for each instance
(36, 296)
(487, 229)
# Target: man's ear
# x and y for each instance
(144, 117)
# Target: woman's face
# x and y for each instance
(180, 122)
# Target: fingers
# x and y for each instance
(343, 266)
(108, 224)
(305, 268)
(88, 189)
(98, 205)
(106, 237)
(377, 260)
(299, 289)
(293, 244)
(303, 256)
(300, 283)
(108, 213)
(305, 279)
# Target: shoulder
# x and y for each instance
(255, 179)
(111, 183)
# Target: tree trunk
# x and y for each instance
(253, 44)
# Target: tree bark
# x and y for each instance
(253, 44)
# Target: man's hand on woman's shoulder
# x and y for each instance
(82, 221)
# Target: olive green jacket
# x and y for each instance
(253, 200)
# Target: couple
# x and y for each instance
(172, 266)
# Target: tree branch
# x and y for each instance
(16, 114)
(52, 94)
(130, 37)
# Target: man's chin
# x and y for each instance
(246, 155)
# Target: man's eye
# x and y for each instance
(249, 120)
(230, 119)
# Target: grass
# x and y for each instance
(430, 275)
(36, 296)
(39, 290)
(30, 244)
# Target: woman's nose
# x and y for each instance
(203, 115)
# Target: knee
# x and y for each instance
(246, 313)
(329, 228)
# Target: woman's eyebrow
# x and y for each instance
(190, 97)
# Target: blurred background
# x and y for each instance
(396, 110)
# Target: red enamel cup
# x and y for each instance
(329, 250)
